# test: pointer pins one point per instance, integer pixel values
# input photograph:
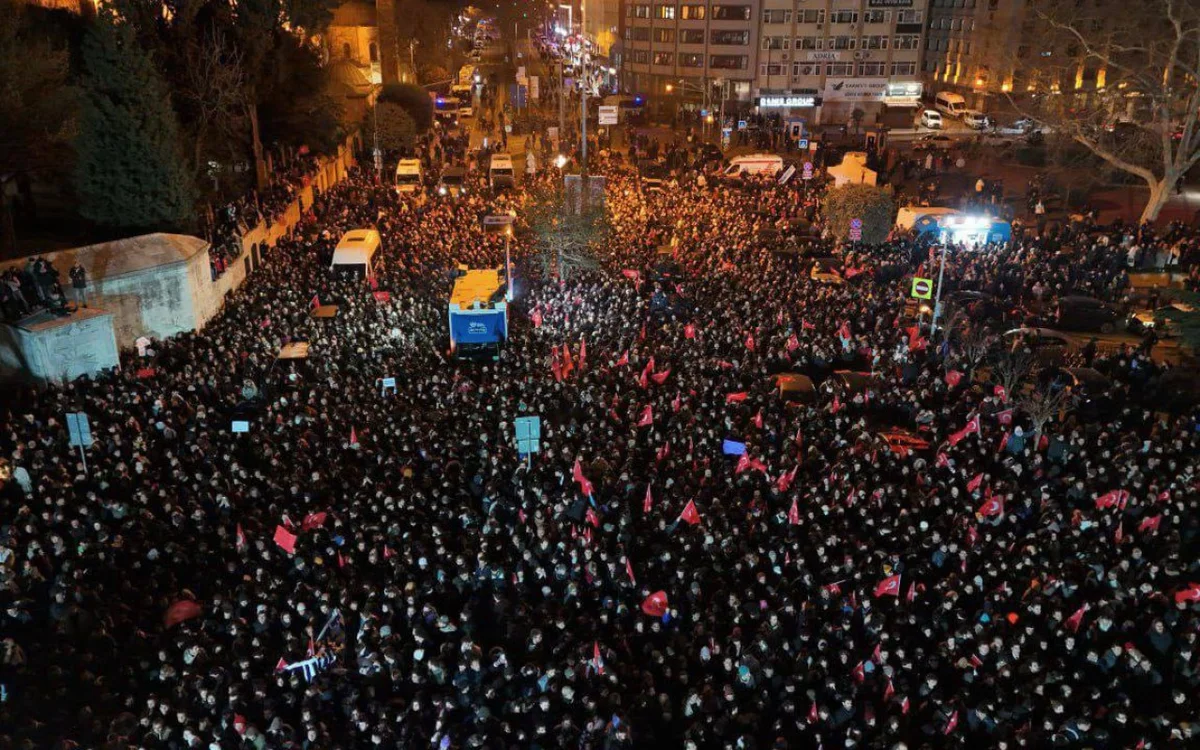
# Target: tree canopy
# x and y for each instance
(873, 205)
(130, 172)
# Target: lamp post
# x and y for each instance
(937, 298)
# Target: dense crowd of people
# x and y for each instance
(698, 556)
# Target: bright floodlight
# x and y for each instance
(560, 161)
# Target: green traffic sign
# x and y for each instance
(922, 288)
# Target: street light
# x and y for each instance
(560, 161)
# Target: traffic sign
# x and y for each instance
(608, 115)
(79, 431)
(529, 434)
(807, 172)
(856, 229)
(922, 288)
(802, 144)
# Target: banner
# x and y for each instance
(477, 326)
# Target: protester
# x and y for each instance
(997, 583)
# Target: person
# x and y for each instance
(78, 278)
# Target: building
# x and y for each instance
(690, 55)
(972, 46)
(820, 60)
(353, 36)
(602, 24)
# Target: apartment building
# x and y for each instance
(692, 54)
(823, 59)
(972, 47)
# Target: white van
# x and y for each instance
(356, 251)
(950, 104)
(755, 164)
(500, 172)
(408, 176)
(932, 119)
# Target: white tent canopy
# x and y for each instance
(357, 248)
(852, 171)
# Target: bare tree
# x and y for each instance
(974, 346)
(1119, 81)
(1042, 404)
(213, 90)
(564, 238)
(1011, 368)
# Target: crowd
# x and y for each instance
(233, 220)
(690, 560)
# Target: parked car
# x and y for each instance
(934, 142)
(975, 120)
(978, 305)
(1076, 313)
(1049, 347)
(932, 119)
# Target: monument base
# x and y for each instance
(47, 347)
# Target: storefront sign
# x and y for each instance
(855, 89)
(889, 3)
(828, 55)
(784, 102)
(904, 93)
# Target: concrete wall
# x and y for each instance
(50, 349)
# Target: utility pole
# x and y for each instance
(583, 58)
(562, 110)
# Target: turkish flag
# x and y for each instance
(592, 518)
(942, 460)
(991, 507)
(286, 540)
(859, 672)
(313, 521)
(889, 586)
(1000, 392)
(582, 353)
(690, 514)
(1074, 620)
(1005, 417)
(655, 605)
(793, 343)
(794, 514)
(660, 377)
(758, 419)
(689, 331)
(577, 474)
(536, 317)
(184, 609)
(951, 723)
(648, 502)
(647, 417)
(353, 436)
(836, 406)
(975, 482)
(624, 360)
(953, 378)
(785, 480)
(806, 326)
(629, 571)
(1150, 524)
(844, 330)
(241, 538)
(750, 341)
(1190, 594)
(736, 398)
(1112, 498)
(888, 691)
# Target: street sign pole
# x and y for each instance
(937, 300)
